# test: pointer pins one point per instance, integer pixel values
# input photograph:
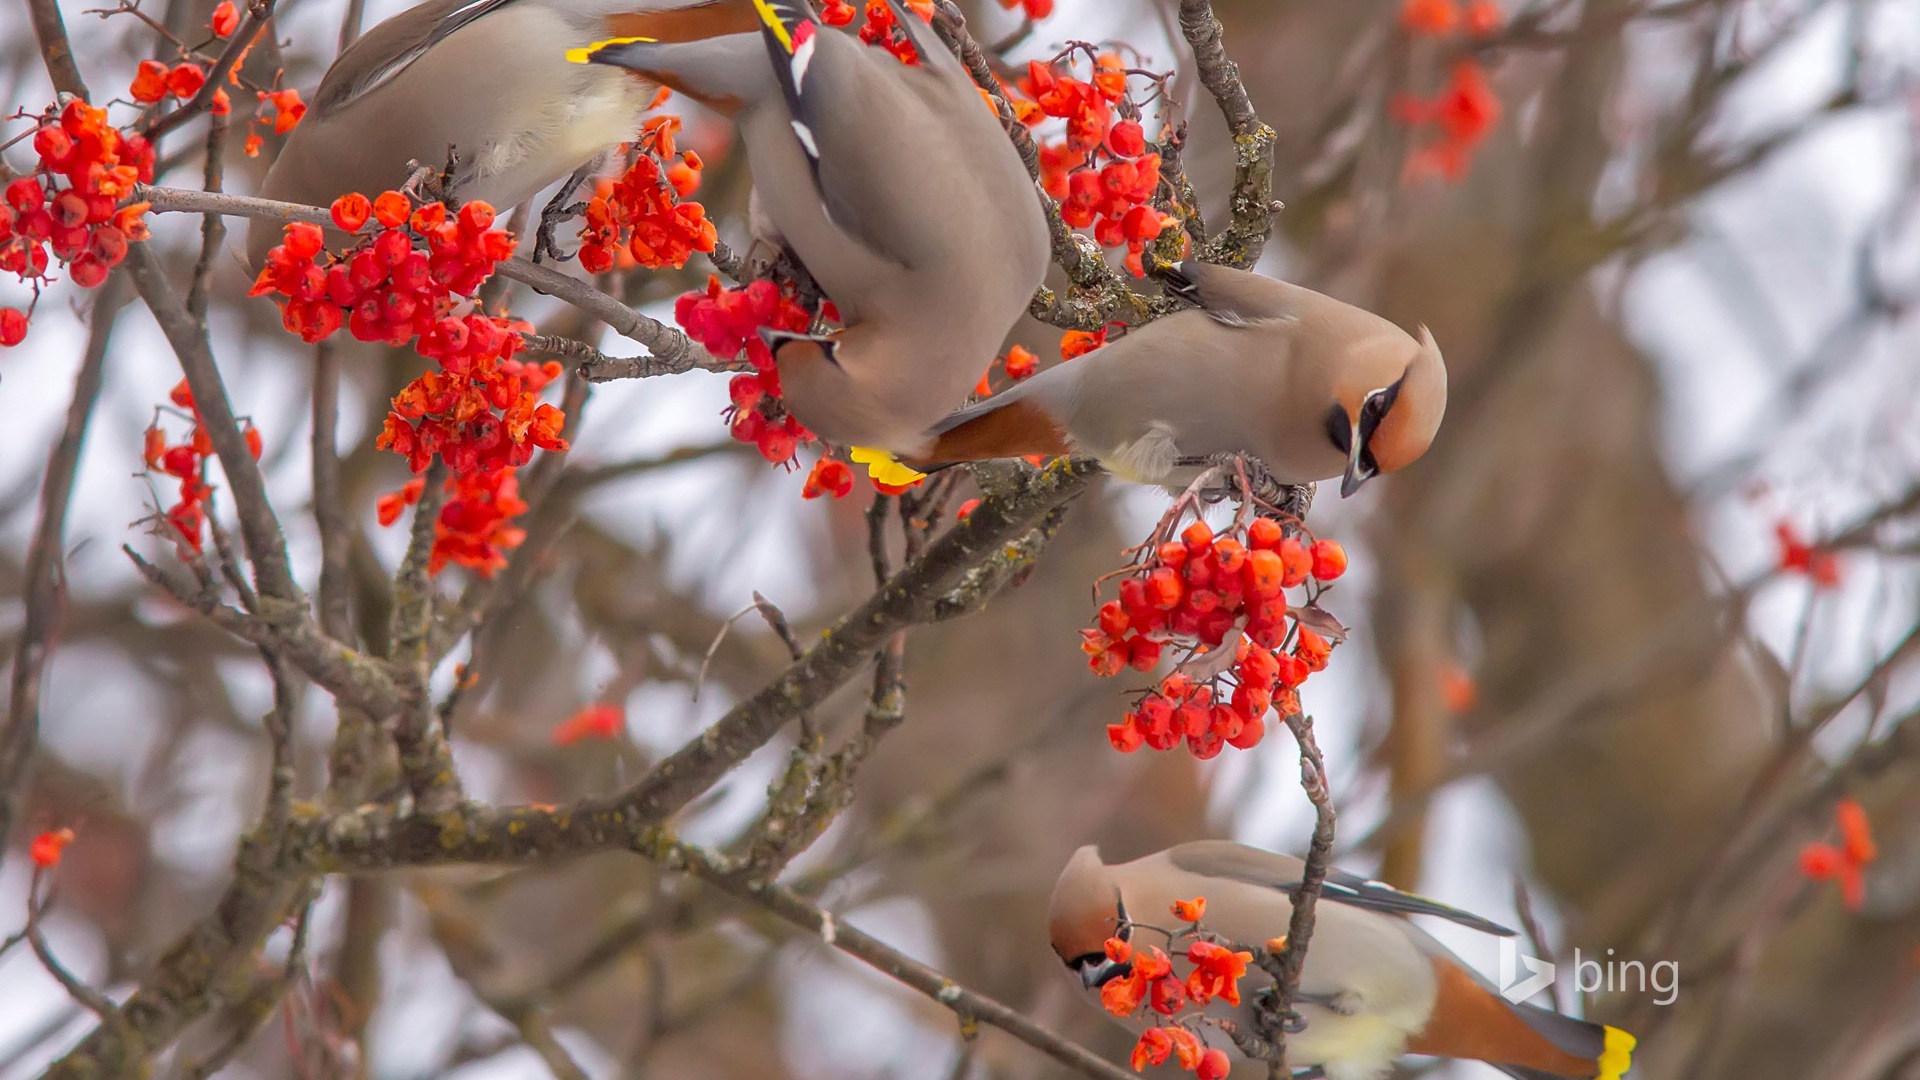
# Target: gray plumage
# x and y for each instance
(1374, 985)
(487, 78)
(1258, 367)
(913, 212)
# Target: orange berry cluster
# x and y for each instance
(1193, 592)
(187, 463)
(880, 28)
(154, 82)
(480, 410)
(727, 322)
(642, 215)
(1101, 172)
(1461, 115)
(1820, 566)
(71, 209)
(600, 721)
(387, 286)
(1032, 9)
(829, 476)
(1845, 862)
(1216, 971)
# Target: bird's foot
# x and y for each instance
(559, 209)
(426, 184)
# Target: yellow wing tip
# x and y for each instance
(884, 467)
(1616, 1055)
(585, 55)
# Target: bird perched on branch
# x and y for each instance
(488, 80)
(1374, 985)
(1311, 387)
(896, 187)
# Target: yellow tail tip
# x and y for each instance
(884, 467)
(585, 55)
(1616, 1055)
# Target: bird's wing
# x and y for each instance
(1232, 297)
(389, 48)
(1221, 858)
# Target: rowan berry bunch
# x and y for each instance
(479, 411)
(396, 281)
(155, 81)
(186, 462)
(1100, 169)
(646, 217)
(829, 476)
(1195, 593)
(1456, 120)
(880, 27)
(1150, 987)
(72, 208)
(727, 322)
(1846, 862)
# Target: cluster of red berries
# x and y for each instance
(1019, 365)
(1216, 971)
(386, 287)
(154, 82)
(727, 322)
(880, 28)
(829, 476)
(1033, 9)
(187, 463)
(641, 218)
(480, 409)
(1822, 567)
(1847, 861)
(71, 209)
(1193, 592)
(1101, 172)
(1461, 115)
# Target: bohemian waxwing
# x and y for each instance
(488, 79)
(1374, 987)
(1311, 387)
(898, 190)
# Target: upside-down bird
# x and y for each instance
(487, 80)
(895, 186)
(1309, 386)
(1374, 985)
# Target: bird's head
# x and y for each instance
(1385, 427)
(1086, 910)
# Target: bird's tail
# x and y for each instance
(1007, 425)
(1608, 1048)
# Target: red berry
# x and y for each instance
(1329, 560)
(350, 211)
(13, 326)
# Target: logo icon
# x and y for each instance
(1539, 977)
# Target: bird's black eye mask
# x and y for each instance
(1373, 410)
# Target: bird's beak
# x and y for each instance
(1094, 976)
(1358, 472)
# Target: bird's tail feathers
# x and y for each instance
(1609, 1048)
(1008, 425)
